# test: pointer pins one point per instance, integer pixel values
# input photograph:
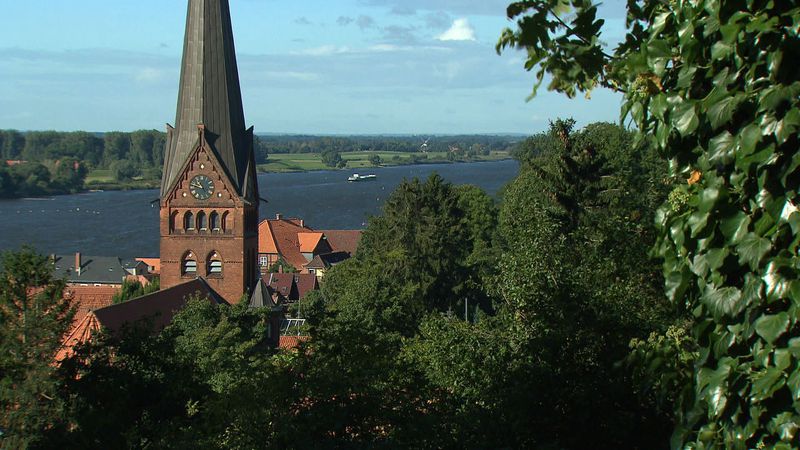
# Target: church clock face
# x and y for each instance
(201, 187)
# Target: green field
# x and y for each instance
(99, 176)
(298, 162)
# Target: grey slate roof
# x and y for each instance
(94, 269)
(262, 296)
(210, 95)
(327, 260)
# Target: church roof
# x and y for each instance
(159, 307)
(210, 95)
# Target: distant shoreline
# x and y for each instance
(143, 185)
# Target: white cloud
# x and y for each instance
(299, 76)
(325, 50)
(148, 75)
(461, 30)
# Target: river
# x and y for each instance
(125, 223)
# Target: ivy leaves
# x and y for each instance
(709, 84)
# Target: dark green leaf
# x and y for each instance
(734, 228)
(721, 148)
(722, 111)
(726, 301)
(750, 137)
(685, 118)
(752, 249)
(772, 327)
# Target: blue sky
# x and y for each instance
(315, 67)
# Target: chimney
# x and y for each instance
(302, 223)
(278, 216)
(78, 263)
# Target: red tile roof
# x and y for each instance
(290, 238)
(305, 282)
(88, 298)
(266, 240)
(343, 240)
(160, 307)
(291, 342)
(155, 263)
(282, 283)
(308, 241)
(292, 286)
(80, 334)
(280, 236)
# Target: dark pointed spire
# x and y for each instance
(210, 96)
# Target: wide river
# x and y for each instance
(125, 223)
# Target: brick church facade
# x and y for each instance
(209, 192)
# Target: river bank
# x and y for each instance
(102, 180)
(126, 223)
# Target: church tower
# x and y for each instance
(209, 189)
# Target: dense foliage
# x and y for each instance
(133, 289)
(209, 380)
(33, 318)
(34, 179)
(710, 85)
(458, 322)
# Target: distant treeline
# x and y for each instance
(408, 144)
(35, 179)
(51, 162)
(145, 148)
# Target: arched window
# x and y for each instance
(225, 222)
(214, 264)
(202, 221)
(189, 265)
(188, 221)
(173, 222)
(214, 219)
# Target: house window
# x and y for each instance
(202, 221)
(214, 264)
(189, 265)
(263, 260)
(188, 221)
(214, 219)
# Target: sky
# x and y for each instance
(306, 67)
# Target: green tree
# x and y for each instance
(709, 85)
(142, 149)
(34, 316)
(282, 266)
(124, 170)
(134, 289)
(13, 144)
(208, 380)
(116, 146)
(69, 175)
(375, 160)
(331, 158)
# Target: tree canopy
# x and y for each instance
(710, 86)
